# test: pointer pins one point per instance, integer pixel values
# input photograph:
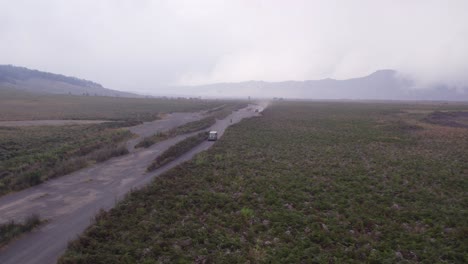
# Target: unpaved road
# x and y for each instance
(70, 202)
(170, 121)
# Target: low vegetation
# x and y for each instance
(178, 150)
(12, 229)
(449, 118)
(223, 112)
(194, 126)
(190, 127)
(31, 155)
(305, 183)
(151, 140)
(17, 105)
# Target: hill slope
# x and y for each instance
(24, 79)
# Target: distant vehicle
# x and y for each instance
(213, 136)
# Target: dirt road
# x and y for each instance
(70, 202)
(170, 121)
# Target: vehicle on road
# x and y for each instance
(213, 136)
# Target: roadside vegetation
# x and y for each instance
(190, 127)
(178, 150)
(308, 182)
(194, 126)
(32, 155)
(11, 230)
(151, 140)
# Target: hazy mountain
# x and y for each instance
(24, 79)
(380, 85)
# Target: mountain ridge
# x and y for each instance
(35, 81)
(386, 84)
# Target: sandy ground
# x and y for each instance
(70, 202)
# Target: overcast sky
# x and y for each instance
(144, 46)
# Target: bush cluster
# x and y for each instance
(177, 150)
(12, 229)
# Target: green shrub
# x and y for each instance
(151, 140)
(109, 152)
(12, 229)
(177, 150)
(247, 213)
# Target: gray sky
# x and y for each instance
(145, 45)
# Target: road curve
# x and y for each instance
(70, 202)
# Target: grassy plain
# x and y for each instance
(308, 182)
(31, 155)
(17, 105)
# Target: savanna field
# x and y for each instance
(32, 155)
(307, 182)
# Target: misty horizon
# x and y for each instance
(158, 47)
(380, 85)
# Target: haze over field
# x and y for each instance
(161, 47)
